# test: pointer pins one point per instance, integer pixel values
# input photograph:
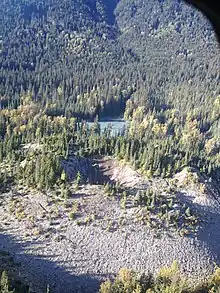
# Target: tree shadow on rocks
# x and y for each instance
(208, 235)
(39, 272)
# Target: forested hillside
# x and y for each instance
(155, 62)
(79, 198)
(89, 57)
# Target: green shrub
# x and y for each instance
(11, 285)
(4, 283)
(168, 280)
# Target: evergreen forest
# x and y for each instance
(64, 64)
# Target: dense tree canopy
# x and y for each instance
(155, 62)
(89, 57)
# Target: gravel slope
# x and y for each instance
(75, 258)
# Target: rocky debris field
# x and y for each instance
(71, 244)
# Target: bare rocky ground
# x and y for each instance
(73, 244)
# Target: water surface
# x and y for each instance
(117, 125)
